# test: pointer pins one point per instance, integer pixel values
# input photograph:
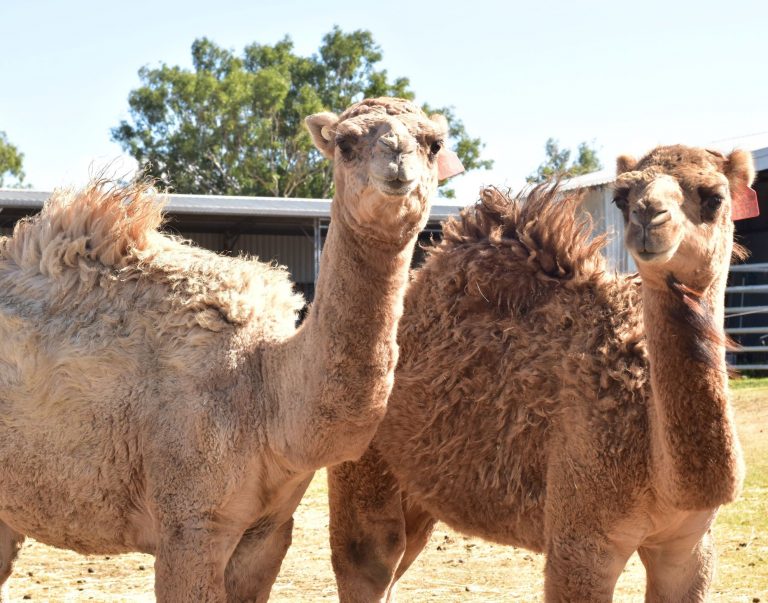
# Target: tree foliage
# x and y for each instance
(233, 124)
(556, 163)
(11, 162)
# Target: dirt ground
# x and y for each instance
(452, 567)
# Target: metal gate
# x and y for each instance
(746, 316)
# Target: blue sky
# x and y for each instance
(626, 76)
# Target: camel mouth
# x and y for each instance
(396, 188)
(654, 244)
(653, 257)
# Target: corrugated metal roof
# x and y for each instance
(221, 205)
(589, 180)
(757, 143)
(200, 204)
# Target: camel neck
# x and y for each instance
(359, 293)
(695, 443)
(337, 371)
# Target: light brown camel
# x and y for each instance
(157, 397)
(544, 402)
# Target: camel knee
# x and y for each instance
(365, 567)
(376, 558)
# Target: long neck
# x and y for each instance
(698, 458)
(337, 371)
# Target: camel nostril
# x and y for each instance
(659, 217)
(646, 217)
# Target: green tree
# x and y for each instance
(11, 161)
(233, 124)
(556, 163)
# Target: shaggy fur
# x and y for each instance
(534, 406)
(157, 397)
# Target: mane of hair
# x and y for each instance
(692, 311)
(695, 314)
(739, 253)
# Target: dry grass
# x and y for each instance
(453, 567)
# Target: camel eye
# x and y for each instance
(710, 203)
(435, 147)
(346, 146)
(713, 201)
(621, 199)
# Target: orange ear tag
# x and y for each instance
(448, 164)
(745, 204)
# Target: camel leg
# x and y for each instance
(253, 567)
(10, 545)
(367, 528)
(419, 525)
(190, 563)
(680, 570)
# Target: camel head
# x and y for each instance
(388, 155)
(677, 204)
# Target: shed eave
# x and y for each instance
(219, 205)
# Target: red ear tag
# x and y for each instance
(448, 164)
(744, 204)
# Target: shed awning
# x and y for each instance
(221, 205)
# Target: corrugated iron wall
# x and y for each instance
(295, 252)
(598, 201)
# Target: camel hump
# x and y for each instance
(115, 228)
(104, 222)
(546, 230)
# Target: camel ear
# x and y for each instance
(322, 128)
(441, 122)
(625, 163)
(448, 162)
(740, 171)
(740, 168)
